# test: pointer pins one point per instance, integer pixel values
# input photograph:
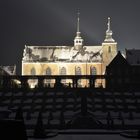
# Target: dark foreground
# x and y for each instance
(58, 113)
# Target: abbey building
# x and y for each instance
(77, 59)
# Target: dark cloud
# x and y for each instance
(53, 22)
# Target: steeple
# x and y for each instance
(109, 32)
(78, 22)
(78, 41)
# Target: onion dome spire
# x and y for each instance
(109, 32)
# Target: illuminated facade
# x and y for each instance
(77, 59)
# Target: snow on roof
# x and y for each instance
(10, 70)
(62, 53)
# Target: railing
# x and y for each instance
(41, 81)
(117, 82)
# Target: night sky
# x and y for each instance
(53, 22)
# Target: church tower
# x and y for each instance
(78, 41)
(109, 46)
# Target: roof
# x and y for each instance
(62, 53)
(118, 60)
(8, 70)
(133, 56)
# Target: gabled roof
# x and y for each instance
(118, 60)
(8, 70)
(62, 53)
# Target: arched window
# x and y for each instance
(48, 72)
(93, 70)
(33, 82)
(33, 72)
(78, 72)
(63, 72)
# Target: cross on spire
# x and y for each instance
(78, 41)
(78, 21)
(108, 24)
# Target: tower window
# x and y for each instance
(109, 49)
